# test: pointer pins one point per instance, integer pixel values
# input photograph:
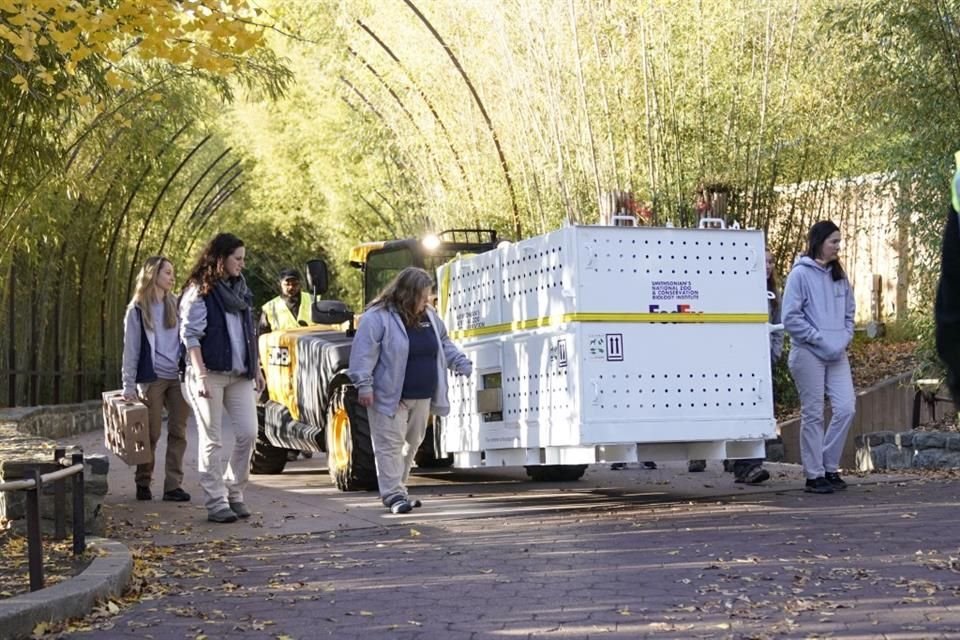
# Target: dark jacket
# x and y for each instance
(946, 309)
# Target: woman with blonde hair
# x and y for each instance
(223, 372)
(398, 362)
(150, 370)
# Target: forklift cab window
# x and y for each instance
(381, 267)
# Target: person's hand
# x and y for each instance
(203, 390)
(365, 399)
(259, 383)
(130, 396)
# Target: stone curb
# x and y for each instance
(107, 575)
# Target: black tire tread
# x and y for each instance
(267, 459)
(360, 472)
(426, 456)
(556, 472)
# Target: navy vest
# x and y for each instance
(145, 372)
(215, 344)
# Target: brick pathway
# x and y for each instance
(879, 561)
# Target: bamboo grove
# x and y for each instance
(131, 129)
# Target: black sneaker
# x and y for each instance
(755, 475)
(176, 495)
(144, 493)
(401, 506)
(835, 480)
(222, 514)
(818, 485)
(618, 466)
(650, 464)
(696, 466)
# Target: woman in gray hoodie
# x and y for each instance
(818, 309)
(151, 361)
(398, 362)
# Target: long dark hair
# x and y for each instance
(209, 266)
(817, 235)
(403, 292)
(772, 284)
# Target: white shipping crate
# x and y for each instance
(611, 344)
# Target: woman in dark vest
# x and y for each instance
(151, 354)
(222, 375)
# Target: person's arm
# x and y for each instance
(795, 323)
(264, 326)
(259, 381)
(457, 361)
(131, 353)
(364, 354)
(193, 326)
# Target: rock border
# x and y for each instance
(883, 450)
(107, 575)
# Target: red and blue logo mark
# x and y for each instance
(681, 308)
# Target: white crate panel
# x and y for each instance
(709, 270)
(473, 296)
(715, 377)
(535, 275)
(539, 388)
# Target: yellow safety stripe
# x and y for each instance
(652, 318)
(443, 294)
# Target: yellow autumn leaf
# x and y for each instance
(8, 34)
(21, 82)
(25, 53)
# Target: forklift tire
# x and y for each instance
(426, 456)
(267, 459)
(556, 472)
(350, 459)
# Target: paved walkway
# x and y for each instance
(628, 554)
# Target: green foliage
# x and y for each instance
(366, 120)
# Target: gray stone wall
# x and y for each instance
(908, 450)
(28, 437)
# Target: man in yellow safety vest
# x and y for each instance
(289, 310)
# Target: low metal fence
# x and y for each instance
(33, 485)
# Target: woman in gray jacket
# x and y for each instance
(818, 310)
(398, 362)
(151, 355)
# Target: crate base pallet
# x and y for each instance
(126, 428)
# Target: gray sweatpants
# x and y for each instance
(820, 452)
(395, 443)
